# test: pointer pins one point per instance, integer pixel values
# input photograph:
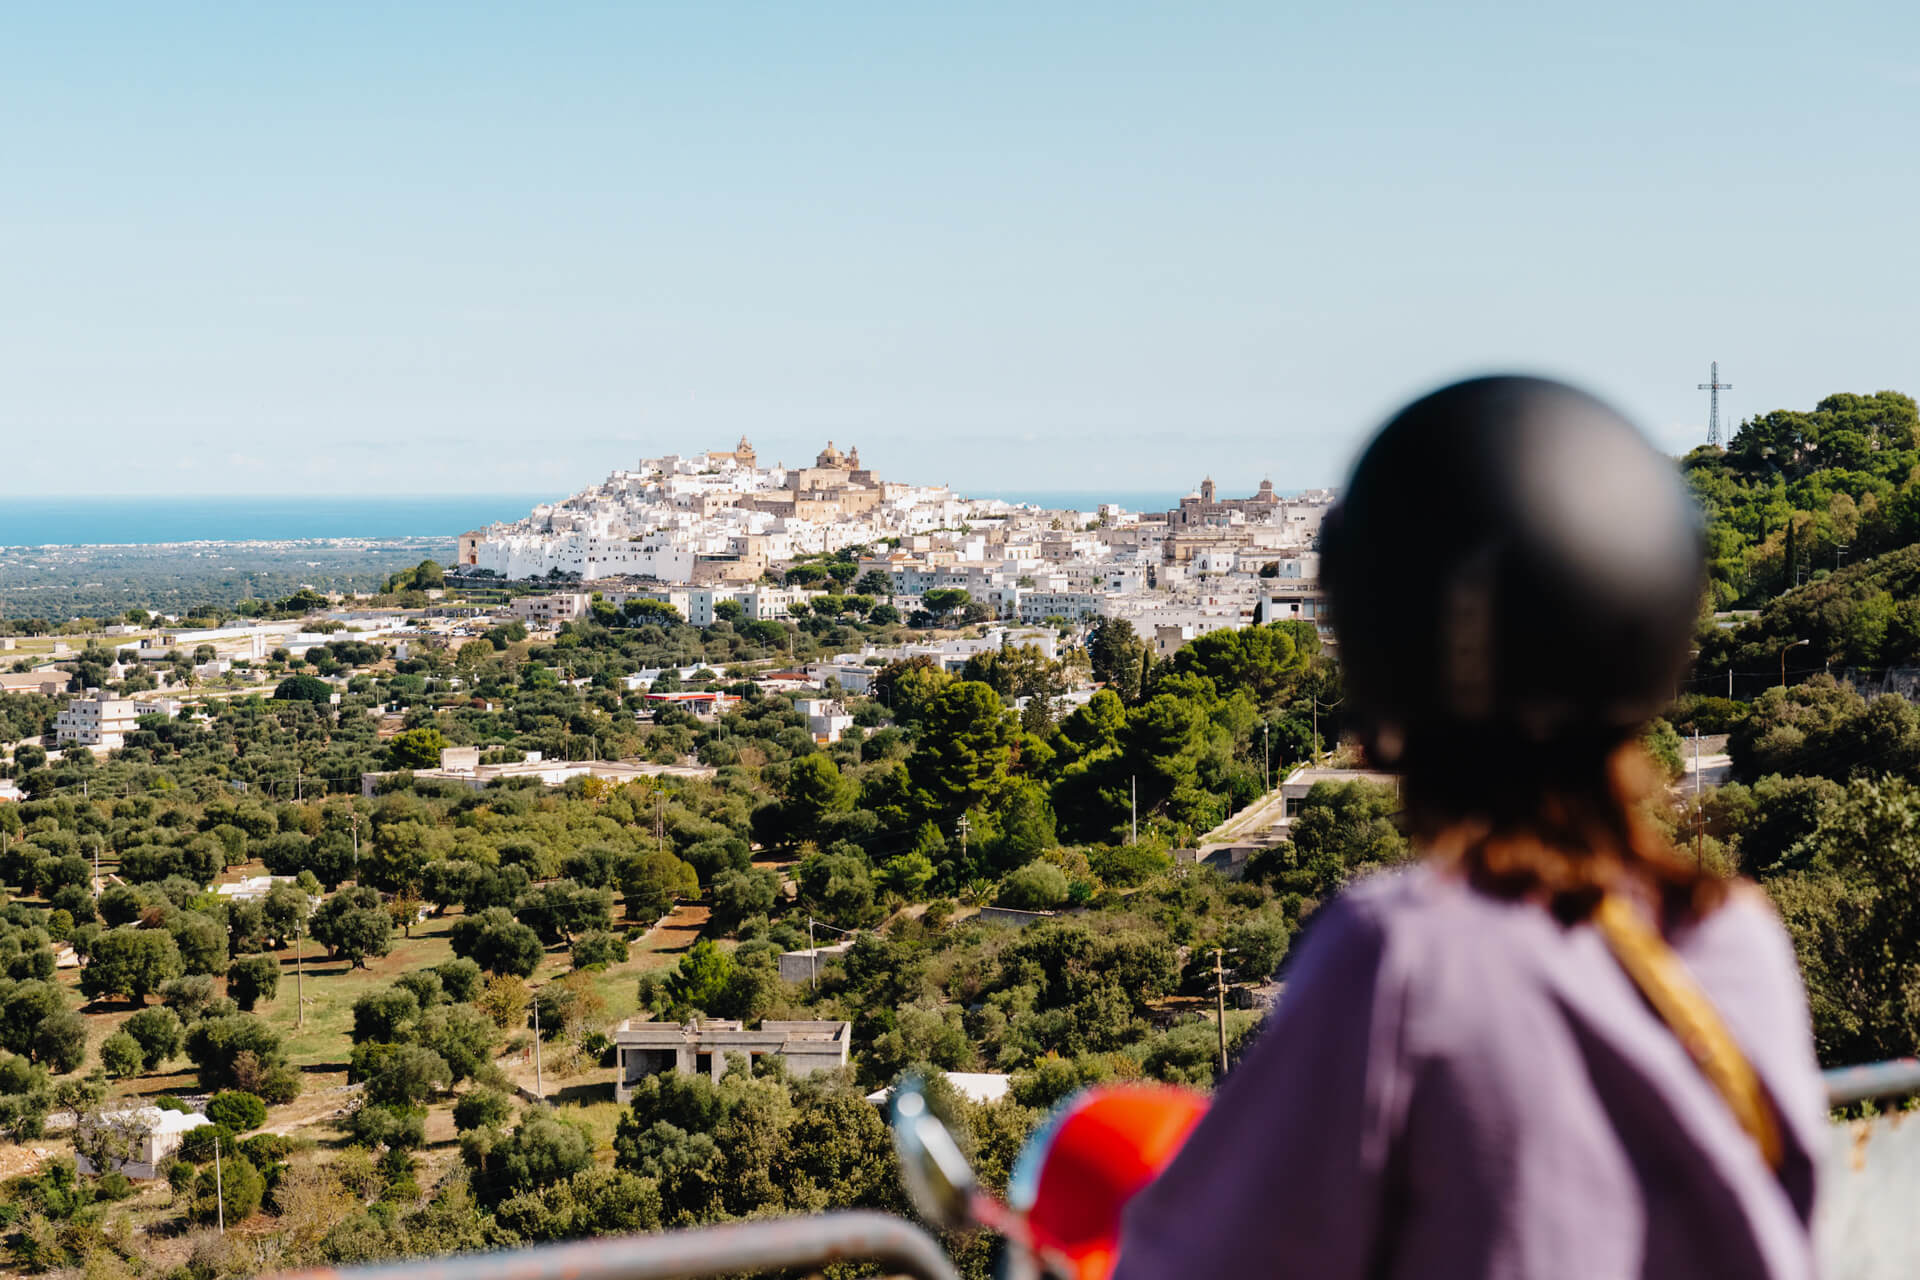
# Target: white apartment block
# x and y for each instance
(97, 720)
(549, 611)
(1074, 606)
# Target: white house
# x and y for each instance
(827, 718)
(152, 1133)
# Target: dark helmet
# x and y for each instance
(1511, 558)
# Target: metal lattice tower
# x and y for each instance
(1715, 387)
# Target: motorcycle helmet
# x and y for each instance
(1511, 560)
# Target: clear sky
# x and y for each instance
(381, 248)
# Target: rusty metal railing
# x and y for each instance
(774, 1244)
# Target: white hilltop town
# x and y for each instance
(694, 531)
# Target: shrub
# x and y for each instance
(239, 1188)
(236, 1111)
(380, 1125)
(598, 948)
(113, 1185)
(121, 1055)
(187, 996)
(482, 1109)
(542, 1150)
(198, 1144)
(1037, 886)
(399, 1074)
(459, 979)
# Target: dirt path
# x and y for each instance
(668, 941)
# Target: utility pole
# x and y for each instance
(1713, 386)
(963, 826)
(1220, 1006)
(1266, 756)
(299, 976)
(1699, 835)
(356, 843)
(539, 1089)
(813, 956)
(219, 1185)
(1133, 808)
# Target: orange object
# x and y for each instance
(1098, 1150)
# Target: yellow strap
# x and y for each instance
(1684, 1007)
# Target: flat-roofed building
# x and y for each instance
(97, 720)
(701, 1048)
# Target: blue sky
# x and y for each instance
(439, 248)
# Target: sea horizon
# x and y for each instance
(139, 520)
(78, 520)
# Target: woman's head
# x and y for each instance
(1514, 574)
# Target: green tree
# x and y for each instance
(416, 749)
(399, 1075)
(1264, 661)
(943, 601)
(158, 1032)
(240, 1051)
(1855, 921)
(815, 791)
(354, 925)
(562, 908)
(653, 881)
(385, 1016)
(839, 885)
(304, 688)
(965, 753)
(1340, 832)
(462, 1035)
(59, 1041)
(702, 978)
(130, 962)
(497, 942)
(201, 941)
(740, 895)
(541, 1151)
(251, 979)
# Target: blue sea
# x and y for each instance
(86, 520)
(1089, 499)
(79, 521)
(1084, 499)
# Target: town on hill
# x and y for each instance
(699, 530)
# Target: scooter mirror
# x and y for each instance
(938, 1178)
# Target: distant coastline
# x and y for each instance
(81, 520)
(145, 521)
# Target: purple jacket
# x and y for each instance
(1457, 1086)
